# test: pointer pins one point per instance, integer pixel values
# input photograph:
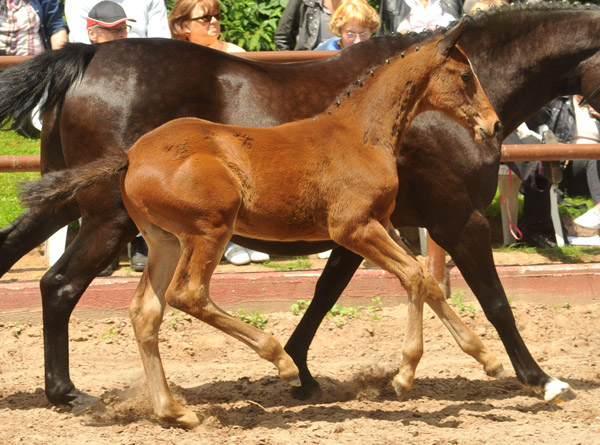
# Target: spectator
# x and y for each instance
(570, 123)
(107, 21)
(578, 125)
(304, 24)
(417, 15)
(29, 27)
(197, 21)
(150, 18)
(353, 21)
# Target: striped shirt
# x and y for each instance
(19, 29)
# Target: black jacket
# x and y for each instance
(298, 28)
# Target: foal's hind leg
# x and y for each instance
(189, 291)
(146, 312)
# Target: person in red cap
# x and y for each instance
(150, 18)
(107, 21)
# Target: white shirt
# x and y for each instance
(150, 15)
(586, 130)
(420, 18)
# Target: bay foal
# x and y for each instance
(191, 184)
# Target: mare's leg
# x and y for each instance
(29, 230)
(471, 251)
(338, 271)
(100, 239)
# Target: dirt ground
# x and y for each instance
(452, 400)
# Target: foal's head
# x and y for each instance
(455, 90)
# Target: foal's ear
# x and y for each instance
(449, 40)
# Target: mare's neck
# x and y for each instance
(332, 76)
(385, 100)
(526, 57)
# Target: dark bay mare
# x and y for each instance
(191, 183)
(103, 98)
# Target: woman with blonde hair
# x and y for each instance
(198, 21)
(353, 21)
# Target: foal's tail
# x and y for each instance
(24, 86)
(61, 187)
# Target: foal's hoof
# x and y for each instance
(84, 402)
(496, 372)
(288, 371)
(308, 391)
(292, 380)
(187, 419)
(558, 392)
(400, 388)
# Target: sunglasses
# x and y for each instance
(207, 18)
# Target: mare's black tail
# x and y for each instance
(23, 86)
(61, 187)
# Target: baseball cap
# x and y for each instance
(107, 14)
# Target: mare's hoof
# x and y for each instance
(558, 392)
(84, 402)
(307, 392)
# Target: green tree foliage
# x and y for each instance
(251, 24)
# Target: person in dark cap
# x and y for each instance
(107, 21)
(150, 18)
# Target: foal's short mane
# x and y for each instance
(403, 44)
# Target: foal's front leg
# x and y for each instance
(462, 334)
(373, 242)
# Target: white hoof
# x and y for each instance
(557, 391)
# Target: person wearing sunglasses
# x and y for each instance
(352, 22)
(107, 21)
(198, 21)
(150, 18)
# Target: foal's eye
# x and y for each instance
(466, 77)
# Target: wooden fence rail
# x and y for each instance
(547, 152)
(525, 152)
